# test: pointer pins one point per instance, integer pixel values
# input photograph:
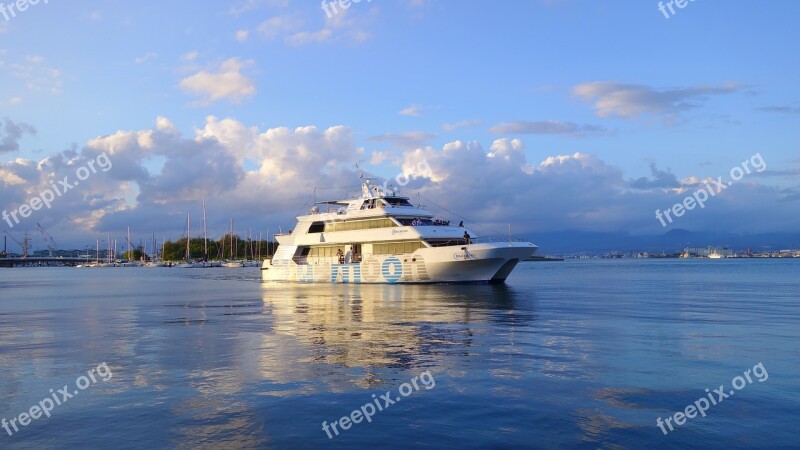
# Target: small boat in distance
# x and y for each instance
(381, 237)
(715, 253)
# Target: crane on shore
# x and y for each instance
(51, 243)
(23, 244)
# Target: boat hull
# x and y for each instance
(474, 263)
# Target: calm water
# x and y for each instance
(583, 354)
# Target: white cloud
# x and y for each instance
(414, 110)
(13, 101)
(308, 37)
(547, 127)
(469, 123)
(278, 26)
(629, 101)
(225, 82)
(146, 57)
(242, 35)
(36, 76)
(260, 177)
(378, 158)
(348, 25)
(190, 56)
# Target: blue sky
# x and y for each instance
(390, 83)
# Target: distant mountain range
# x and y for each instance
(572, 242)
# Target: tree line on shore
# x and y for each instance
(227, 247)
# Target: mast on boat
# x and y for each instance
(188, 234)
(205, 233)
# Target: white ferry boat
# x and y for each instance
(382, 238)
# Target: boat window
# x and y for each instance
(316, 227)
(415, 222)
(394, 201)
(396, 248)
(384, 222)
(326, 251)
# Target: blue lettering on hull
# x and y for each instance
(392, 270)
(345, 270)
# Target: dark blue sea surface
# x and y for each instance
(575, 354)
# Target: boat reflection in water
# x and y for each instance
(377, 326)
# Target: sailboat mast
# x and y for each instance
(205, 233)
(188, 235)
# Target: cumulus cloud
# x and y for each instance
(244, 173)
(225, 82)
(264, 177)
(630, 101)
(577, 191)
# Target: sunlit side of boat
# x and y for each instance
(383, 238)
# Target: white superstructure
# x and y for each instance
(382, 238)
